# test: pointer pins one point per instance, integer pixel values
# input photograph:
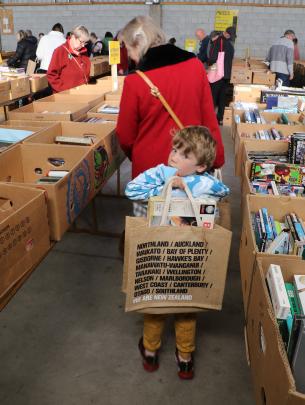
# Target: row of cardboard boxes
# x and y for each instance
(251, 71)
(75, 104)
(271, 372)
(17, 87)
(14, 88)
(35, 207)
(28, 165)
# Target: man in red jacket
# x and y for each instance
(144, 127)
(70, 65)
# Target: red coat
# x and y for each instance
(144, 127)
(67, 69)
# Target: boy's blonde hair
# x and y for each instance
(199, 141)
(142, 33)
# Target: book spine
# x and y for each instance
(298, 227)
(290, 149)
(293, 238)
(274, 188)
(267, 224)
(264, 233)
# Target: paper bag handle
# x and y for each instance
(167, 194)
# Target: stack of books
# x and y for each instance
(288, 302)
(296, 150)
(268, 156)
(278, 178)
(275, 237)
(270, 135)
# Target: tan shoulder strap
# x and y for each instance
(82, 70)
(156, 93)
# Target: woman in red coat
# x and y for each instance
(70, 65)
(144, 126)
(145, 131)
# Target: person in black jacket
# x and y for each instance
(219, 88)
(26, 50)
(203, 45)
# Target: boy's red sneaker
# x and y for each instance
(150, 363)
(185, 368)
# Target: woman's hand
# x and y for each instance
(178, 183)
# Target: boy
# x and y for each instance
(193, 154)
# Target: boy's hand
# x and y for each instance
(178, 183)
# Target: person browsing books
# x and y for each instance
(70, 65)
(144, 127)
(192, 155)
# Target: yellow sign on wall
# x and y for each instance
(190, 44)
(225, 19)
(6, 22)
(114, 53)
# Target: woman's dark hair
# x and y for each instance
(93, 34)
(21, 34)
(68, 34)
(58, 27)
(108, 34)
(172, 41)
(295, 41)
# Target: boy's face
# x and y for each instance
(186, 164)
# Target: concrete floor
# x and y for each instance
(65, 339)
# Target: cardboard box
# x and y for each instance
(5, 85)
(55, 111)
(246, 164)
(90, 99)
(26, 163)
(240, 62)
(92, 89)
(38, 82)
(250, 92)
(271, 117)
(106, 154)
(245, 130)
(21, 125)
(241, 75)
(257, 64)
(248, 252)
(241, 113)
(111, 117)
(20, 87)
(113, 96)
(271, 373)
(263, 77)
(28, 125)
(24, 232)
(107, 80)
(227, 117)
(5, 96)
(99, 66)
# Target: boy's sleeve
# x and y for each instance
(206, 185)
(150, 183)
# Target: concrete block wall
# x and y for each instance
(258, 27)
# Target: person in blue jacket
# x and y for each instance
(192, 155)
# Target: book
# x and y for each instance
(13, 135)
(278, 172)
(279, 245)
(181, 211)
(69, 140)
